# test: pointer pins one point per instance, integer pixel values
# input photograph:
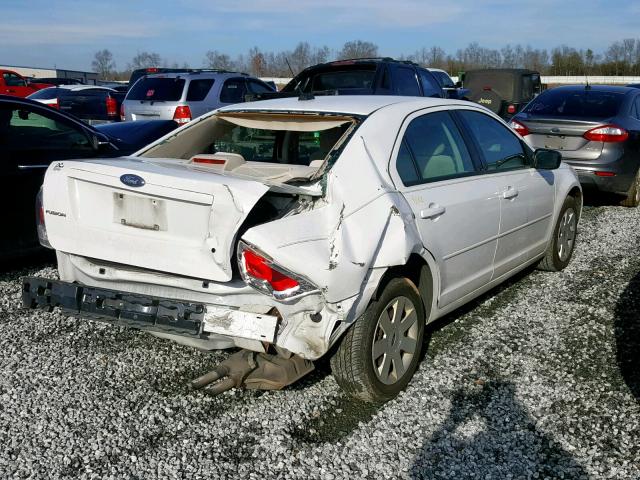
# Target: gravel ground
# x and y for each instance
(540, 378)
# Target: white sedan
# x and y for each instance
(288, 226)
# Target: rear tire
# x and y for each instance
(633, 195)
(563, 239)
(379, 354)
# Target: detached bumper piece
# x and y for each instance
(130, 310)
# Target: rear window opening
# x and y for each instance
(156, 89)
(276, 147)
(576, 104)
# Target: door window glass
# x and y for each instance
(429, 85)
(405, 82)
(637, 108)
(435, 145)
(22, 130)
(233, 91)
(500, 148)
(199, 89)
(257, 87)
(13, 80)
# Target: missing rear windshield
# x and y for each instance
(157, 90)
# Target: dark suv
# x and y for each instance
(504, 91)
(366, 76)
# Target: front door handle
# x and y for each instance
(510, 193)
(433, 211)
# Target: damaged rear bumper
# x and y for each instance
(145, 312)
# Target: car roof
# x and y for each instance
(200, 74)
(511, 71)
(343, 104)
(596, 88)
(83, 87)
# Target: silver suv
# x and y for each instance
(187, 95)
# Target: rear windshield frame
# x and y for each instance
(556, 104)
(168, 93)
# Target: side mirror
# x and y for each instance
(458, 84)
(547, 159)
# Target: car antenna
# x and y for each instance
(301, 94)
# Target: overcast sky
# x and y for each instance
(67, 33)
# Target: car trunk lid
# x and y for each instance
(155, 214)
(563, 134)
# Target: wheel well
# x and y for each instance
(576, 193)
(417, 270)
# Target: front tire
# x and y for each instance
(633, 195)
(379, 354)
(563, 240)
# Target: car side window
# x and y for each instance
(500, 148)
(434, 147)
(258, 87)
(405, 82)
(429, 86)
(13, 80)
(636, 108)
(199, 89)
(22, 129)
(233, 91)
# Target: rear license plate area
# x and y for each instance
(554, 142)
(147, 213)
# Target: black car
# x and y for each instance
(32, 136)
(56, 81)
(504, 91)
(91, 103)
(367, 76)
(597, 130)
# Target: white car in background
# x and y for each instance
(287, 226)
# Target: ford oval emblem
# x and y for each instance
(131, 180)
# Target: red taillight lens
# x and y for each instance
(182, 114)
(600, 173)
(209, 161)
(519, 127)
(258, 267)
(112, 107)
(511, 109)
(607, 134)
(122, 116)
(55, 104)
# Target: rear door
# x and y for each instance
(526, 194)
(457, 209)
(200, 96)
(30, 139)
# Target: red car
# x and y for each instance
(14, 84)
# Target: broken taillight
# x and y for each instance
(263, 274)
(40, 225)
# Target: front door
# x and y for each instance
(30, 139)
(526, 194)
(457, 209)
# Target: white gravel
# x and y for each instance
(539, 379)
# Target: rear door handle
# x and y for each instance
(32, 167)
(433, 211)
(510, 193)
